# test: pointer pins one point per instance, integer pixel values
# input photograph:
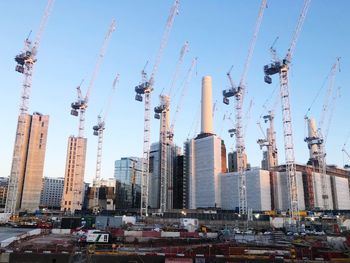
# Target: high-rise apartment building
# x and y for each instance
(127, 173)
(51, 194)
(29, 154)
(73, 192)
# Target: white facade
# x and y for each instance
(51, 193)
(282, 190)
(204, 170)
(318, 190)
(258, 190)
(341, 193)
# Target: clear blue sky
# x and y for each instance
(218, 32)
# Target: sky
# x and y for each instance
(218, 32)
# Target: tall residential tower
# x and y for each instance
(32, 156)
(73, 191)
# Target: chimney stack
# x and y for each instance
(207, 106)
(312, 130)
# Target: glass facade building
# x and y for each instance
(127, 172)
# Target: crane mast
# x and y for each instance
(145, 89)
(316, 142)
(238, 93)
(25, 65)
(79, 107)
(165, 183)
(282, 68)
(162, 112)
(98, 131)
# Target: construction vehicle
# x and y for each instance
(25, 65)
(98, 131)
(282, 67)
(239, 92)
(316, 140)
(145, 89)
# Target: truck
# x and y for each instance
(96, 236)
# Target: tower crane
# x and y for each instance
(78, 108)
(98, 131)
(247, 115)
(80, 105)
(145, 89)
(25, 65)
(238, 93)
(162, 113)
(317, 138)
(282, 67)
(346, 166)
(269, 140)
(182, 96)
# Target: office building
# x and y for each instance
(154, 179)
(127, 173)
(178, 182)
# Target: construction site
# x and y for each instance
(189, 203)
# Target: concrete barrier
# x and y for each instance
(212, 235)
(8, 241)
(34, 232)
(170, 234)
(133, 233)
(61, 231)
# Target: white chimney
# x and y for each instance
(207, 105)
(312, 130)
